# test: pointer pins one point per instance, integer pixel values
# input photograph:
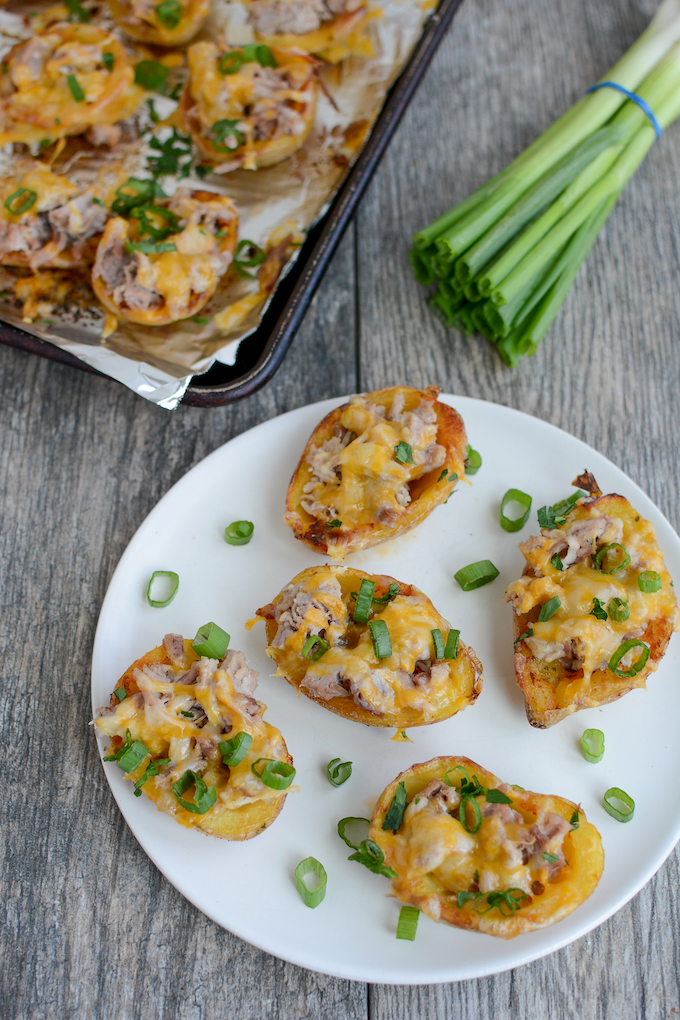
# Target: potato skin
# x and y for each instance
(466, 669)
(538, 679)
(574, 884)
(427, 493)
(236, 825)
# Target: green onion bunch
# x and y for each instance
(505, 258)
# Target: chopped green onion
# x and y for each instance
(117, 755)
(604, 552)
(408, 923)
(476, 574)
(146, 225)
(649, 581)
(211, 641)
(371, 856)
(548, 609)
(204, 798)
(551, 858)
(622, 650)
(187, 715)
(516, 523)
(395, 812)
(565, 506)
(20, 201)
(380, 636)
(498, 797)
(626, 805)
(598, 610)
(529, 632)
(249, 53)
(392, 593)
(203, 320)
(74, 86)
(98, 201)
(464, 897)
(473, 461)
(239, 532)
(557, 562)
(256, 258)
(548, 519)
(574, 820)
(150, 772)
(223, 129)
(169, 13)
(342, 825)
(338, 772)
(618, 610)
(403, 452)
(76, 8)
(265, 57)
(120, 693)
(229, 63)
(151, 75)
(451, 647)
(108, 60)
(150, 247)
(443, 475)
(234, 751)
(335, 524)
(438, 643)
(133, 193)
(310, 866)
(592, 745)
(308, 648)
(505, 898)
(462, 813)
(133, 756)
(277, 775)
(174, 580)
(364, 601)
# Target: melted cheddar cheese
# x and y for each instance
(139, 19)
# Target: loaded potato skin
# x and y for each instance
(563, 665)
(537, 853)
(409, 687)
(180, 707)
(374, 468)
(329, 29)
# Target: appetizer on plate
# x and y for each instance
(374, 468)
(594, 609)
(164, 263)
(46, 221)
(65, 80)
(189, 734)
(324, 27)
(250, 107)
(369, 648)
(479, 854)
(160, 22)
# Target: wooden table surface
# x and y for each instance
(92, 930)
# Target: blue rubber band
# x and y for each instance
(645, 107)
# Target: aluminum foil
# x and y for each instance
(281, 201)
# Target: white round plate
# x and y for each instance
(249, 887)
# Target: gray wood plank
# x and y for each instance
(92, 929)
(607, 372)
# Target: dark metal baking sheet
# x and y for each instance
(261, 354)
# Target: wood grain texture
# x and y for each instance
(91, 929)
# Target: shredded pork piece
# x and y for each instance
(296, 17)
(174, 648)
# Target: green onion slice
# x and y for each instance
(151, 75)
(108, 60)
(211, 641)
(395, 812)
(132, 756)
(342, 825)
(618, 804)
(169, 13)
(476, 574)
(573, 821)
(223, 129)
(277, 775)
(494, 796)
(618, 610)
(250, 261)
(150, 247)
(515, 523)
(120, 693)
(438, 643)
(310, 644)
(408, 923)
(76, 90)
(598, 610)
(364, 601)
(174, 580)
(403, 452)
(609, 549)
(249, 52)
(204, 798)
(451, 647)
(592, 745)
(639, 663)
(548, 609)
(151, 771)
(76, 8)
(511, 899)
(462, 813)
(335, 523)
(20, 201)
(649, 581)
(133, 193)
(239, 532)
(557, 562)
(371, 856)
(380, 636)
(392, 593)
(229, 63)
(234, 751)
(338, 771)
(463, 897)
(529, 632)
(147, 226)
(551, 858)
(310, 866)
(265, 57)
(473, 461)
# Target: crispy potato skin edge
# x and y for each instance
(583, 850)
(315, 534)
